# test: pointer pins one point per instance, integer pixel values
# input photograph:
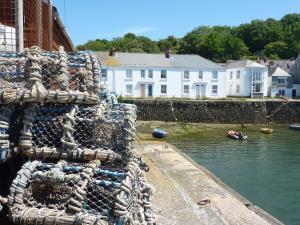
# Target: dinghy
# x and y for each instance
(236, 135)
(295, 126)
(266, 130)
(159, 133)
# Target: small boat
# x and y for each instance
(159, 133)
(236, 135)
(295, 126)
(266, 130)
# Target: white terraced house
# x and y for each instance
(280, 82)
(246, 78)
(162, 75)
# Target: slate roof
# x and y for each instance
(243, 63)
(156, 60)
(278, 72)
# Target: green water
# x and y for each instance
(265, 169)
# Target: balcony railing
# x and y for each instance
(276, 84)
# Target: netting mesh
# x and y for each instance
(103, 194)
(85, 169)
(56, 77)
(72, 131)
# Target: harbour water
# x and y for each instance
(265, 169)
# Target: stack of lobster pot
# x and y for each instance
(80, 165)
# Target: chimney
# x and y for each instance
(168, 54)
(112, 52)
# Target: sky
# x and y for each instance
(106, 19)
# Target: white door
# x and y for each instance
(203, 90)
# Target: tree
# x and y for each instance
(276, 50)
(259, 33)
(171, 42)
(269, 38)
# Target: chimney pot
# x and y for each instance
(168, 54)
(112, 52)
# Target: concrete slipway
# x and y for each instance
(188, 194)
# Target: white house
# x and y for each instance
(280, 82)
(246, 78)
(162, 75)
(295, 72)
(7, 38)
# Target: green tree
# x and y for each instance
(276, 50)
(171, 42)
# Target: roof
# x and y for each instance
(278, 72)
(244, 63)
(156, 60)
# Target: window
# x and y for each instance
(186, 89)
(129, 74)
(257, 76)
(238, 74)
(129, 88)
(163, 74)
(186, 75)
(150, 74)
(143, 73)
(215, 75)
(237, 89)
(231, 75)
(163, 89)
(200, 75)
(281, 92)
(214, 89)
(104, 73)
(257, 88)
(281, 80)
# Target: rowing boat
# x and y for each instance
(266, 130)
(295, 126)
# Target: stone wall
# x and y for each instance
(218, 111)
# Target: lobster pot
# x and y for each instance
(70, 193)
(113, 127)
(55, 77)
(104, 131)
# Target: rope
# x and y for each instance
(33, 56)
(67, 141)
(5, 118)
(62, 76)
(75, 204)
(25, 140)
(283, 103)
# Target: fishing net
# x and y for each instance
(56, 77)
(73, 193)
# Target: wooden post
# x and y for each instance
(38, 22)
(50, 25)
(19, 26)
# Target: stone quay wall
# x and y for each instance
(218, 111)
